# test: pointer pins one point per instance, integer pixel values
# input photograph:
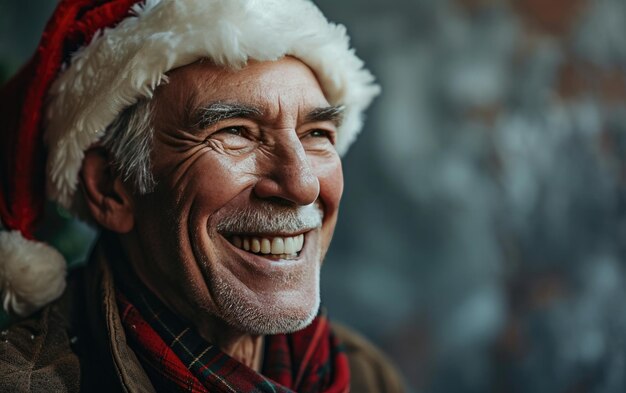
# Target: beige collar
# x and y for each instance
(100, 279)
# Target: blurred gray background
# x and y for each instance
(482, 237)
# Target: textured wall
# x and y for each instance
(482, 237)
(482, 241)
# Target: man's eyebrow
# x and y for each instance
(333, 114)
(208, 115)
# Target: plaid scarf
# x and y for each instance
(177, 359)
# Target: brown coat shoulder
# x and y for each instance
(370, 370)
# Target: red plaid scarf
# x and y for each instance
(177, 359)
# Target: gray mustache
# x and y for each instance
(272, 218)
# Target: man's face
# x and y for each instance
(248, 189)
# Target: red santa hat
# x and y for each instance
(98, 57)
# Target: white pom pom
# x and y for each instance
(32, 274)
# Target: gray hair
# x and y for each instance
(129, 141)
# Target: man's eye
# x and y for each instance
(235, 130)
(319, 134)
(319, 138)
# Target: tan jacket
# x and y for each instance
(78, 344)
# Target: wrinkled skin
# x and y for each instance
(279, 158)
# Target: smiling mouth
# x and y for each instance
(282, 247)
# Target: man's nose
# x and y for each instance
(289, 175)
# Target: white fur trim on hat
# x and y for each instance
(32, 273)
(128, 62)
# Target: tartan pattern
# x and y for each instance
(178, 359)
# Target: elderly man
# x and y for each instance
(203, 137)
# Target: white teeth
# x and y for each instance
(299, 242)
(255, 245)
(290, 247)
(278, 246)
(266, 246)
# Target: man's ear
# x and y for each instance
(106, 196)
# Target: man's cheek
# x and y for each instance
(331, 190)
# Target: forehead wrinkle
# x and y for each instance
(177, 99)
(280, 119)
(284, 107)
(287, 114)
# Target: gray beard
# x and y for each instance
(262, 319)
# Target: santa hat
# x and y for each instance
(95, 59)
